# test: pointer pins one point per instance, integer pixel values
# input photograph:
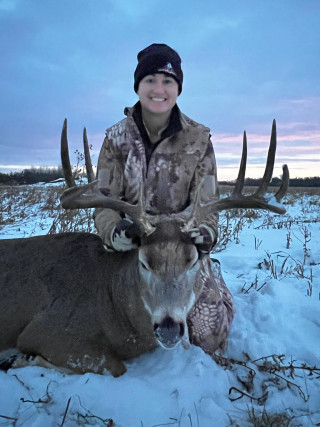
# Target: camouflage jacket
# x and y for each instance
(174, 172)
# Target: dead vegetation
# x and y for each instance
(254, 379)
(257, 378)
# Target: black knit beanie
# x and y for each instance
(158, 58)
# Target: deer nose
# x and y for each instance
(169, 332)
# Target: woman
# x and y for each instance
(158, 145)
(169, 153)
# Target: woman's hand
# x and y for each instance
(204, 238)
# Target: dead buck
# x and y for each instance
(66, 299)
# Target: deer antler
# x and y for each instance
(237, 199)
(89, 196)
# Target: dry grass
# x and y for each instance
(263, 419)
(19, 202)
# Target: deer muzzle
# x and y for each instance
(169, 332)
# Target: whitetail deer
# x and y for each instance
(66, 299)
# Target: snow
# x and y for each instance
(271, 265)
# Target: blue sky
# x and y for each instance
(245, 63)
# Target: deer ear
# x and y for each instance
(129, 230)
(134, 232)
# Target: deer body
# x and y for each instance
(65, 298)
(61, 301)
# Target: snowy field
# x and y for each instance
(270, 374)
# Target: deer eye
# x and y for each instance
(144, 266)
(194, 263)
(192, 260)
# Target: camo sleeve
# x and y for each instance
(110, 177)
(206, 166)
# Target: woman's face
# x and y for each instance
(158, 93)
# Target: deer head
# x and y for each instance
(169, 268)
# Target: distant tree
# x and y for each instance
(42, 174)
(32, 176)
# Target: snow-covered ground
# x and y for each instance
(270, 374)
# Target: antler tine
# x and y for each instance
(65, 160)
(89, 169)
(270, 163)
(242, 169)
(256, 200)
(284, 184)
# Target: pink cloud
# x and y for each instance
(298, 145)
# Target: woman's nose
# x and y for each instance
(158, 87)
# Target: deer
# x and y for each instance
(70, 304)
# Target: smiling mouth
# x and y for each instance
(158, 99)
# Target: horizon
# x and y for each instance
(244, 64)
(18, 169)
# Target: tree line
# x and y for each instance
(45, 174)
(31, 176)
(275, 182)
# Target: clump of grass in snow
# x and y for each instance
(263, 419)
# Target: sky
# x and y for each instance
(245, 63)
